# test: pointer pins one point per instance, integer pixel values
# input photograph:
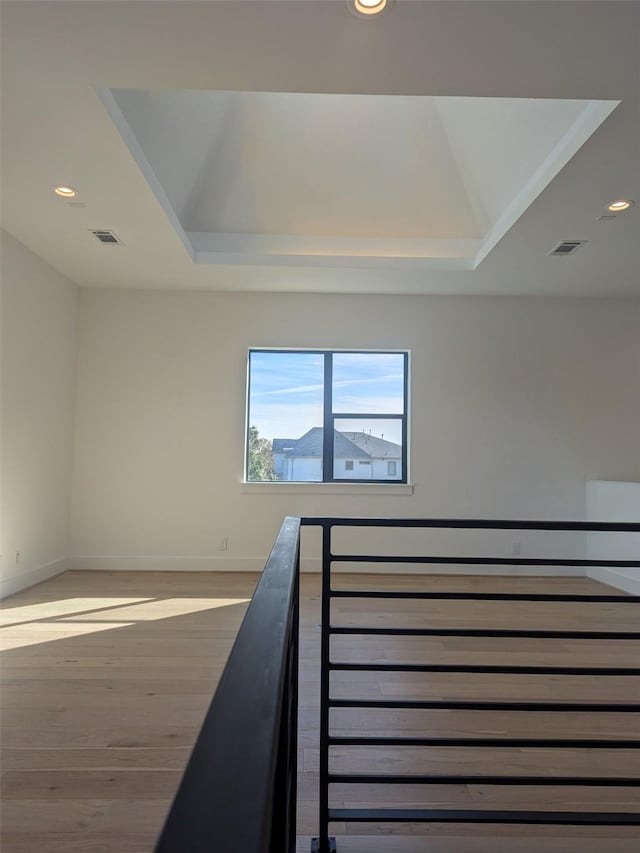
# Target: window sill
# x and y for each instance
(288, 488)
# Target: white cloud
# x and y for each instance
(341, 383)
(296, 389)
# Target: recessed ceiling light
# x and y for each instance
(368, 7)
(65, 192)
(620, 204)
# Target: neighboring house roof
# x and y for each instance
(310, 445)
(346, 445)
(282, 445)
(345, 449)
(378, 448)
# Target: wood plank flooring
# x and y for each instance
(107, 676)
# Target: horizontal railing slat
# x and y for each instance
(483, 632)
(483, 705)
(482, 669)
(483, 561)
(470, 779)
(483, 596)
(484, 816)
(493, 742)
(474, 524)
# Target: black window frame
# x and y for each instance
(330, 417)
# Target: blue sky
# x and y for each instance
(286, 392)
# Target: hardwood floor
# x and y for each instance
(107, 677)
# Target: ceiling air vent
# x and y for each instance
(566, 247)
(107, 237)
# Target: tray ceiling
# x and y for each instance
(364, 180)
(286, 145)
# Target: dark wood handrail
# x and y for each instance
(232, 797)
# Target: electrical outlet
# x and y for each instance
(223, 544)
(17, 557)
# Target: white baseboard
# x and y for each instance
(308, 564)
(30, 577)
(627, 580)
(167, 564)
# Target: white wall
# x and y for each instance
(302, 468)
(39, 318)
(515, 404)
(620, 502)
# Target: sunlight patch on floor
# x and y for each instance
(20, 636)
(62, 607)
(163, 608)
(32, 624)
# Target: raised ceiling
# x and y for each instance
(361, 180)
(445, 148)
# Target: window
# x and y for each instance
(327, 416)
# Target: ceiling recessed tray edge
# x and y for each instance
(461, 252)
